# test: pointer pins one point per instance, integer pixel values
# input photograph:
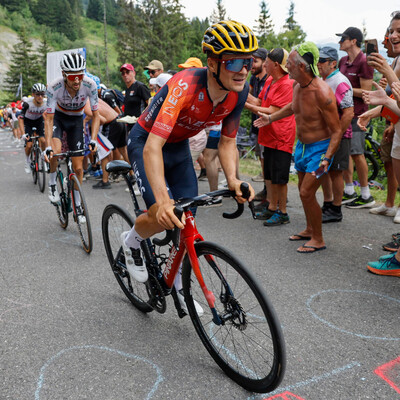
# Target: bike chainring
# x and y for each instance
(156, 295)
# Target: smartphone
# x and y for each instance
(371, 46)
(320, 171)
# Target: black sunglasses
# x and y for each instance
(324, 60)
(343, 39)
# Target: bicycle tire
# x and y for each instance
(62, 207)
(116, 220)
(373, 166)
(33, 166)
(84, 228)
(249, 347)
(41, 171)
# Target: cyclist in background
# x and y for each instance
(158, 148)
(66, 98)
(31, 120)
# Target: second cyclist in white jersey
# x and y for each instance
(66, 98)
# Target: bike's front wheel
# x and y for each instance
(243, 334)
(116, 220)
(81, 214)
(33, 166)
(62, 206)
(41, 170)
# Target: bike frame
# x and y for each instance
(70, 173)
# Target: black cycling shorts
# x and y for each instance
(116, 133)
(34, 127)
(73, 126)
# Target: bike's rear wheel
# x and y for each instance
(33, 166)
(84, 228)
(116, 220)
(41, 170)
(249, 344)
(62, 207)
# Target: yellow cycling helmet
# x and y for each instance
(229, 37)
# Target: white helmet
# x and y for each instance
(72, 62)
(38, 87)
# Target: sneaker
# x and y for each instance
(261, 196)
(98, 174)
(181, 298)
(277, 219)
(54, 197)
(264, 214)
(202, 176)
(216, 202)
(134, 261)
(392, 246)
(258, 178)
(396, 219)
(27, 167)
(389, 267)
(80, 216)
(261, 206)
(348, 198)
(387, 256)
(384, 210)
(359, 202)
(329, 215)
(102, 185)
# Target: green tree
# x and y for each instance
(265, 28)
(95, 10)
(292, 33)
(42, 51)
(14, 5)
(23, 61)
(218, 14)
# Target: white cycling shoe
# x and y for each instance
(181, 298)
(54, 196)
(134, 262)
(27, 167)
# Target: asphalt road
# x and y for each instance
(68, 332)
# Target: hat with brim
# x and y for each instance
(162, 79)
(191, 62)
(280, 56)
(261, 53)
(310, 54)
(129, 67)
(352, 33)
(154, 65)
(328, 52)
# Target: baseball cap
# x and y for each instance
(261, 53)
(154, 64)
(191, 62)
(310, 53)
(328, 52)
(162, 79)
(352, 33)
(280, 56)
(129, 67)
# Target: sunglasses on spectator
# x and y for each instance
(324, 60)
(72, 77)
(151, 72)
(343, 39)
(125, 72)
(39, 94)
(237, 64)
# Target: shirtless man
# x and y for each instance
(114, 131)
(318, 132)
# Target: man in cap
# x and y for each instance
(354, 66)
(154, 68)
(191, 62)
(136, 93)
(318, 132)
(277, 139)
(341, 86)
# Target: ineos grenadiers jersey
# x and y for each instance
(182, 108)
(32, 111)
(59, 99)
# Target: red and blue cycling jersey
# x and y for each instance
(182, 108)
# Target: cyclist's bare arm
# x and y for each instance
(95, 124)
(154, 167)
(21, 125)
(227, 156)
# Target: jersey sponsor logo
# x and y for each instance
(176, 94)
(201, 96)
(94, 92)
(154, 107)
(49, 95)
(57, 86)
(87, 84)
(163, 126)
(95, 107)
(171, 258)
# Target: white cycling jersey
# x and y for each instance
(31, 111)
(59, 99)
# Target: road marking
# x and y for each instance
(383, 370)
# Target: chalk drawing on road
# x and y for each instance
(313, 380)
(285, 396)
(45, 367)
(345, 311)
(390, 373)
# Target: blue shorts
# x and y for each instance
(179, 173)
(308, 157)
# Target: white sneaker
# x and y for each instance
(54, 197)
(396, 219)
(384, 210)
(181, 298)
(27, 167)
(137, 272)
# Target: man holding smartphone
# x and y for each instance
(354, 66)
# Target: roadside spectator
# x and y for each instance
(154, 68)
(332, 186)
(277, 138)
(354, 66)
(110, 97)
(136, 93)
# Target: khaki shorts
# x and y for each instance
(386, 149)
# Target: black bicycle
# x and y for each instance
(372, 152)
(38, 165)
(67, 185)
(228, 307)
